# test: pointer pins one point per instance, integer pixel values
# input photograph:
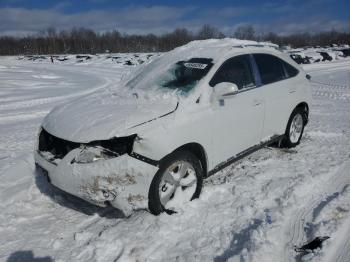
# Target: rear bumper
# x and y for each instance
(123, 181)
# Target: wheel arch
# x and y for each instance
(196, 149)
(304, 106)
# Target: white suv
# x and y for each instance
(190, 112)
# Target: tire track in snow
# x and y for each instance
(30, 106)
(324, 85)
(327, 67)
(329, 90)
(301, 227)
(301, 221)
(340, 250)
(54, 99)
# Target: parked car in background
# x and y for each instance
(345, 51)
(299, 58)
(325, 56)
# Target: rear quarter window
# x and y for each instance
(291, 71)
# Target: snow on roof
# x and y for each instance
(215, 47)
(226, 42)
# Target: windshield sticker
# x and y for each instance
(195, 65)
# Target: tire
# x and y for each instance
(167, 183)
(295, 128)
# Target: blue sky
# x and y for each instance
(21, 17)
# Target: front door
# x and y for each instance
(238, 118)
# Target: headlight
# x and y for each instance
(36, 146)
(93, 154)
(105, 149)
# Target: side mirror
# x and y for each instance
(225, 89)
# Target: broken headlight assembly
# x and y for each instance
(105, 149)
(93, 154)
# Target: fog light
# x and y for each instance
(105, 194)
(108, 195)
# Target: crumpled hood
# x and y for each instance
(100, 117)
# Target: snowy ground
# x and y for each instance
(255, 210)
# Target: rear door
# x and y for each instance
(279, 91)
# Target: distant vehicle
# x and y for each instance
(179, 119)
(325, 56)
(345, 51)
(300, 59)
(313, 56)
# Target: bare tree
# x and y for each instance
(82, 40)
(246, 32)
(208, 32)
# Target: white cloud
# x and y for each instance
(131, 19)
(161, 19)
(313, 24)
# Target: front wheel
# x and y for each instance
(179, 180)
(295, 128)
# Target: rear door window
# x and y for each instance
(270, 67)
(273, 69)
(236, 70)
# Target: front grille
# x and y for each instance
(56, 146)
(59, 148)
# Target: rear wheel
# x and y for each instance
(179, 180)
(295, 128)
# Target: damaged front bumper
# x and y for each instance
(123, 181)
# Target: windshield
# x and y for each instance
(181, 76)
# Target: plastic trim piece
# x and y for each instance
(243, 154)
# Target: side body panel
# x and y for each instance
(282, 97)
(223, 129)
(243, 121)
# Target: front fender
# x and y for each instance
(161, 141)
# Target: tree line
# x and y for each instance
(83, 41)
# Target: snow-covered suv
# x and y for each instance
(189, 113)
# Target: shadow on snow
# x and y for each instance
(27, 256)
(73, 202)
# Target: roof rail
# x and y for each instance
(256, 45)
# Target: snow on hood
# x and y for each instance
(100, 117)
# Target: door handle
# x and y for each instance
(257, 102)
(292, 90)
